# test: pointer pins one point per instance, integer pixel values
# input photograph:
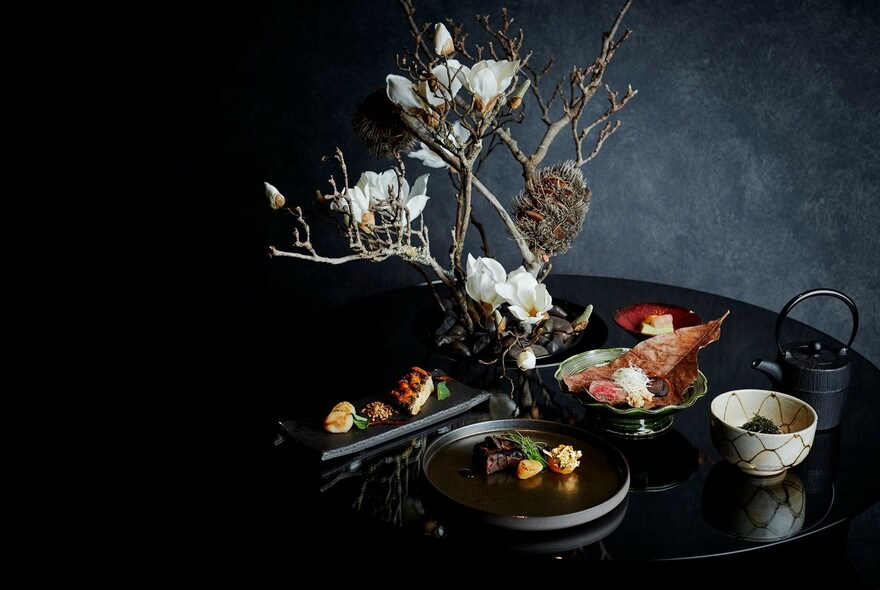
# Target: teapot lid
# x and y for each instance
(817, 368)
(812, 355)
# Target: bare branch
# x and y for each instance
(512, 144)
(604, 134)
(417, 33)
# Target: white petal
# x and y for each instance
(400, 91)
(450, 78)
(504, 72)
(360, 204)
(485, 86)
(461, 133)
(479, 67)
(421, 186)
(428, 157)
(520, 313)
(416, 205)
(542, 298)
(506, 290)
(433, 98)
(364, 180)
(495, 269)
(525, 292)
(471, 264)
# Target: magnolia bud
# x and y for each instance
(526, 359)
(276, 199)
(443, 45)
(515, 101)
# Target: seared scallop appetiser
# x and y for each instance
(340, 419)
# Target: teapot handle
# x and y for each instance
(812, 293)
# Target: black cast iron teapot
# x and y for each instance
(810, 370)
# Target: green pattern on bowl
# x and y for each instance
(626, 421)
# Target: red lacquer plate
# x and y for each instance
(630, 317)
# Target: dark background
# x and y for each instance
(746, 166)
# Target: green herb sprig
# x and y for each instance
(530, 448)
(761, 424)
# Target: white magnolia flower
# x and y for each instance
(456, 138)
(448, 79)
(483, 274)
(442, 40)
(526, 359)
(377, 187)
(360, 205)
(529, 300)
(488, 80)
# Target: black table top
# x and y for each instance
(684, 501)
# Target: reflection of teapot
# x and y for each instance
(808, 370)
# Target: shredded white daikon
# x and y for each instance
(634, 381)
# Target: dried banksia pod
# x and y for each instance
(551, 209)
(379, 128)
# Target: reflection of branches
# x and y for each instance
(385, 481)
(540, 401)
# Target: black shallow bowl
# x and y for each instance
(593, 336)
(630, 317)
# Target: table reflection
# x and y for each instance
(583, 541)
(759, 509)
(661, 462)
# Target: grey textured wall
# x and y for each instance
(746, 166)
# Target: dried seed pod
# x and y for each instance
(379, 128)
(551, 209)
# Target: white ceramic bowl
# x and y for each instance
(758, 453)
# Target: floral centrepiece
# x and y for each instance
(513, 314)
(448, 106)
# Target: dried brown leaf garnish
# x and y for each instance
(671, 357)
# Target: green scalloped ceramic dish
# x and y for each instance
(626, 421)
